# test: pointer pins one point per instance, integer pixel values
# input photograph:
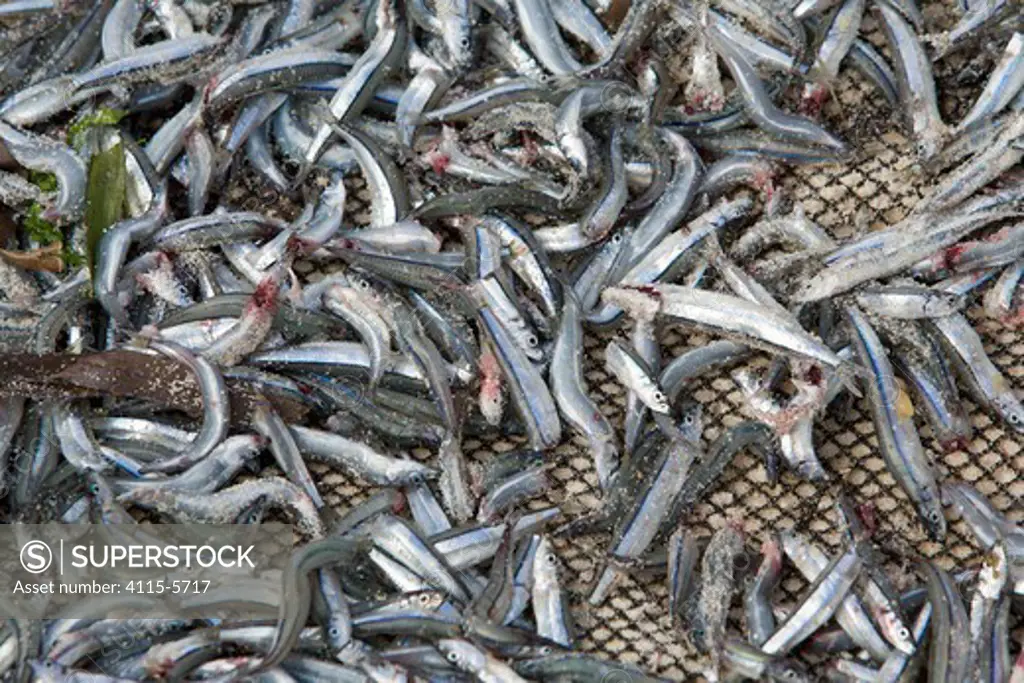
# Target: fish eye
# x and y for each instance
(531, 340)
(552, 559)
(334, 632)
(545, 649)
(616, 238)
(464, 41)
(453, 657)
(904, 633)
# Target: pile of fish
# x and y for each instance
(530, 169)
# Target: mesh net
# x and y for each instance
(877, 189)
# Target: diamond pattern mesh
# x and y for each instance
(878, 188)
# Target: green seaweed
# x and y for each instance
(47, 182)
(38, 228)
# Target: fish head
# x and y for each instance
(895, 631)
(691, 421)
(934, 521)
(462, 654)
(1012, 411)
(789, 671)
(48, 671)
(456, 32)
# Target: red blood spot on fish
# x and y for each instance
(490, 378)
(299, 245)
(952, 254)
(649, 291)
(866, 512)
(439, 162)
(763, 180)
(399, 505)
(813, 100)
(772, 552)
(531, 147)
(959, 443)
(208, 88)
(265, 296)
(814, 375)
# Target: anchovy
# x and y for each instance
(886, 253)
(749, 662)
(529, 391)
(176, 58)
(359, 458)
(893, 411)
(550, 610)
(717, 585)
(758, 597)
(297, 594)
(285, 450)
(472, 545)
(810, 561)
(982, 378)
(1006, 81)
(818, 604)
(909, 301)
(208, 475)
(635, 374)
(216, 417)
(638, 528)
(916, 83)
(724, 314)
(1001, 154)
(41, 153)
(517, 488)
(673, 204)
(389, 41)
(759, 106)
(222, 507)
(999, 300)
(950, 648)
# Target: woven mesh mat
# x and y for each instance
(877, 189)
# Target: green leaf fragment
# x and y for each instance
(104, 197)
(100, 117)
